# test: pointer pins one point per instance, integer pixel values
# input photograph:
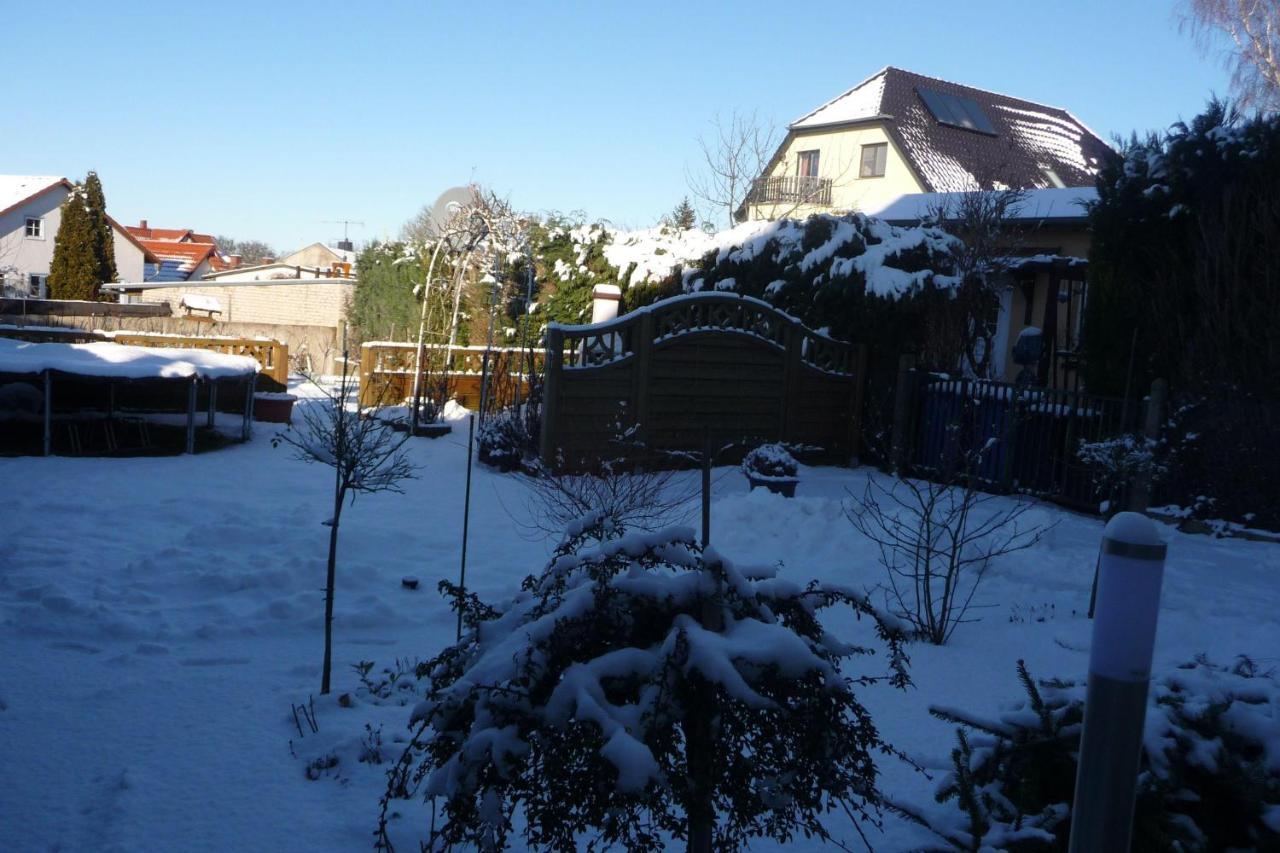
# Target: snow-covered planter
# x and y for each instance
(641, 690)
(772, 466)
(501, 441)
(1209, 780)
(273, 407)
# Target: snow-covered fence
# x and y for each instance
(671, 371)
(1032, 436)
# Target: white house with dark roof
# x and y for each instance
(30, 215)
(899, 133)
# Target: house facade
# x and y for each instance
(180, 254)
(1046, 236)
(30, 215)
(900, 133)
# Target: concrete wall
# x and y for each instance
(839, 158)
(294, 302)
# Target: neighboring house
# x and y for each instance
(180, 253)
(30, 215)
(898, 133)
(322, 256)
(303, 307)
(1048, 248)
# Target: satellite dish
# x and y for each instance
(447, 206)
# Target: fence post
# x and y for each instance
(551, 394)
(48, 413)
(642, 346)
(1140, 488)
(191, 415)
(1131, 569)
(791, 379)
(1009, 438)
(903, 398)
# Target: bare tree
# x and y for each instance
(966, 332)
(367, 457)
(250, 251)
(937, 537)
(1253, 27)
(734, 154)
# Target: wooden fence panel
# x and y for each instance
(386, 370)
(728, 364)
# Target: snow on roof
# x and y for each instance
(1067, 203)
(1026, 144)
(121, 362)
(15, 189)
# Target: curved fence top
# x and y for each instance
(598, 344)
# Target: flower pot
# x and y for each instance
(273, 408)
(785, 486)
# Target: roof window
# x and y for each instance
(956, 111)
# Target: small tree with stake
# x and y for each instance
(366, 455)
(642, 689)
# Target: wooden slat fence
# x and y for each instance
(386, 371)
(672, 371)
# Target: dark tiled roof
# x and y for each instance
(1030, 139)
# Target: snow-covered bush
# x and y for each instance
(1116, 462)
(770, 461)
(638, 690)
(501, 440)
(1210, 775)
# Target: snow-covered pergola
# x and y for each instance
(113, 364)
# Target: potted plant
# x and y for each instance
(273, 407)
(772, 466)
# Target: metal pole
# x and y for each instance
(466, 520)
(246, 429)
(213, 402)
(1130, 572)
(191, 415)
(48, 413)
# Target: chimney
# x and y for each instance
(267, 259)
(604, 302)
(236, 260)
(142, 223)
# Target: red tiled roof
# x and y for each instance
(169, 235)
(190, 255)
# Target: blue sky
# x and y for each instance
(263, 120)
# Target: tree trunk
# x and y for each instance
(328, 592)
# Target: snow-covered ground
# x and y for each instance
(160, 617)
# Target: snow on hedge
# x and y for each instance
(121, 362)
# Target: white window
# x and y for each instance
(35, 227)
(35, 284)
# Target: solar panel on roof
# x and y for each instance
(956, 111)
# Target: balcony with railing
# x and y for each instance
(791, 189)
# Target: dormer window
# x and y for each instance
(956, 111)
(807, 164)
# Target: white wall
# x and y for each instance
(35, 255)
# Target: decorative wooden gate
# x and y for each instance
(733, 365)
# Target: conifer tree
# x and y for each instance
(684, 217)
(75, 270)
(103, 245)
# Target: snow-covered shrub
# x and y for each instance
(638, 690)
(770, 461)
(501, 440)
(1209, 780)
(1116, 462)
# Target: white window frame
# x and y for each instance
(39, 222)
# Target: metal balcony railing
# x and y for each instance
(791, 189)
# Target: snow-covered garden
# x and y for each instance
(162, 623)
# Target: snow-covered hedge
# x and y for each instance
(1210, 777)
(640, 689)
(501, 440)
